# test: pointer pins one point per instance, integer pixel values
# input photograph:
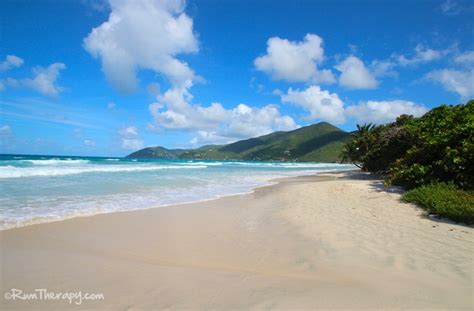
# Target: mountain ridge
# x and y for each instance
(320, 142)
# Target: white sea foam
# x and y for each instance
(289, 165)
(56, 162)
(204, 163)
(15, 172)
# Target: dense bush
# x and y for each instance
(375, 148)
(444, 200)
(424, 154)
(442, 149)
(437, 147)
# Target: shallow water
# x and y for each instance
(47, 188)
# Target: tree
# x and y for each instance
(437, 147)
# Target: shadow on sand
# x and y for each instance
(376, 181)
(377, 184)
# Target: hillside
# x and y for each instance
(321, 142)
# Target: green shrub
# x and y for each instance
(412, 152)
(443, 150)
(444, 200)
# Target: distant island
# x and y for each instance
(321, 142)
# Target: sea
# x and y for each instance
(37, 188)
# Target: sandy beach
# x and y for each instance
(332, 241)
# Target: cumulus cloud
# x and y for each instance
(381, 112)
(422, 55)
(321, 104)
(148, 34)
(248, 121)
(129, 138)
(295, 61)
(354, 74)
(174, 111)
(11, 61)
(245, 122)
(326, 106)
(457, 81)
(144, 34)
(43, 80)
(214, 123)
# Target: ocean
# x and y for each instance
(47, 188)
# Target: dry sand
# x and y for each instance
(338, 241)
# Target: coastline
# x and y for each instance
(334, 240)
(265, 183)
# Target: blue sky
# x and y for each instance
(109, 77)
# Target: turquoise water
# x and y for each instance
(47, 188)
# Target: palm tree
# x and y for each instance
(359, 146)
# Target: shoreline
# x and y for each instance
(334, 241)
(271, 182)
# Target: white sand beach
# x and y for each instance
(332, 241)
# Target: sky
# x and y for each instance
(106, 78)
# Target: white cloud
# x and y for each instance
(148, 34)
(173, 110)
(144, 34)
(383, 68)
(246, 122)
(327, 106)
(381, 112)
(457, 81)
(295, 61)
(422, 55)
(215, 123)
(319, 103)
(354, 74)
(5, 130)
(130, 139)
(89, 143)
(465, 58)
(44, 80)
(10, 62)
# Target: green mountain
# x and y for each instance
(321, 142)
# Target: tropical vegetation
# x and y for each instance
(433, 156)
